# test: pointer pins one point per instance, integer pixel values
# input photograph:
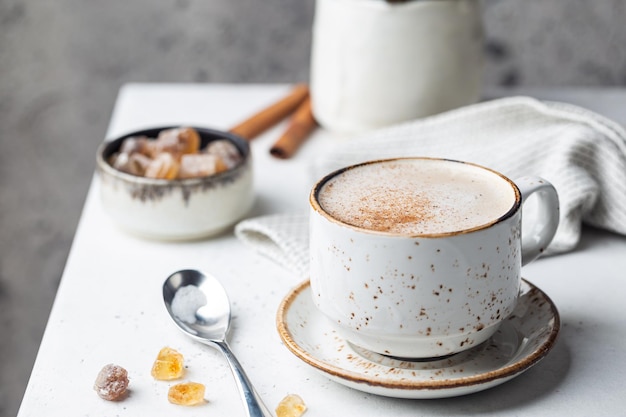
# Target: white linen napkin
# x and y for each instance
(582, 153)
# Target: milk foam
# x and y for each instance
(417, 196)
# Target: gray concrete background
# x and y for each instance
(62, 63)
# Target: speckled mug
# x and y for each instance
(426, 294)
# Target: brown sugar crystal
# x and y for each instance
(168, 365)
(175, 154)
(291, 406)
(178, 141)
(199, 165)
(186, 393)
(111, 383)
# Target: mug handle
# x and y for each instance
(546, 219)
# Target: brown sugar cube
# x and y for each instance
(186, 393)
(291, 406)
(138, 164)
(200, 165)
(167, 141)
(111, 383)
(119, 161)
(163, 166)
(168, 365)
(135, 163)
(189, 140)
(226, 150)
(149, 148)
(179, 141)
(136, 144)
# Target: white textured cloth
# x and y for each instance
(582, 153)
(284, 238)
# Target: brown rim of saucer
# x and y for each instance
(315, 205)
(507, 371)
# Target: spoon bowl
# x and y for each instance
(211, 321)
(199, 306)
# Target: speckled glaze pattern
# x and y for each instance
(522, 340)
(418, 296)
(182, 209)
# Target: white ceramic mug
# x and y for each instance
(376, 63)
(421, 257)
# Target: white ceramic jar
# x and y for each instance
(376, 63)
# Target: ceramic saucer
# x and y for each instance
(522, 340)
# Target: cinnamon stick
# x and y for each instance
(301, 124)
(268, 117)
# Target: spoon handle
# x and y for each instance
(252, 401)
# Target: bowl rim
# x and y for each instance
(108, 146)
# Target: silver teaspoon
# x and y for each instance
(199, 306)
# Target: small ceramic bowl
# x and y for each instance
(180, 209)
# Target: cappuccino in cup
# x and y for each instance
(408, 198)
(421, 257)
